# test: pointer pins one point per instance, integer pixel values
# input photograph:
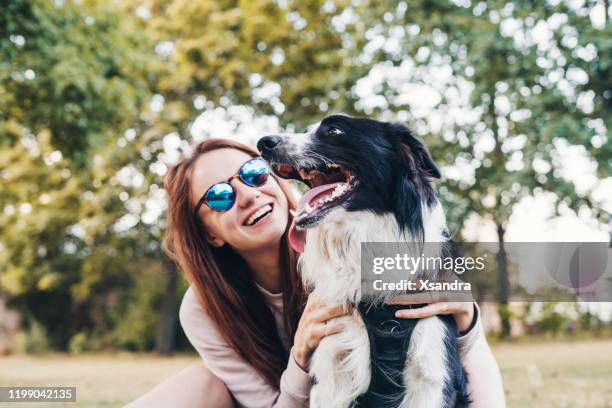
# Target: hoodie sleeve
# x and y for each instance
(484, 378)
(242, 380)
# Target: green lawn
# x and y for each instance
(544, 374)
(557, 374)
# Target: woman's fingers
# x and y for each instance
(463, 312)
(421, 298)
(321, 330)
(415, 298)
(422, 312)
(404, 302)
(333, 329)
(316, 312)
(311, 303)
(313, 326)
(323, 314)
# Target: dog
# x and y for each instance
(370, 181)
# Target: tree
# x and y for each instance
(97, 99)
(72, 79)
(292, 60)
(519, 81)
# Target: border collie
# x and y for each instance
(370, 182)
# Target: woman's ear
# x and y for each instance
(214, 240)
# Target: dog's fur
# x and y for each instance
(392, 201)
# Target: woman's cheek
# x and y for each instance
(281, 200)
(235, 234)
(282, 211)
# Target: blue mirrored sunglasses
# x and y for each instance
(221, 196)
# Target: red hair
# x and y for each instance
(217, 275)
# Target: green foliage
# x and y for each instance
(78, 343)
(73, 69)
(528, 79)
(82, 148)
(228, 51)
(551, 320)
(73, 78)
(33, 340)
(523, 96)
(135, 328)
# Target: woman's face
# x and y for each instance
(235, 227)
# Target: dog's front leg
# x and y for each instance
(425, 372)
(341, 365)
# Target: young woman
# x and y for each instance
(246, 312)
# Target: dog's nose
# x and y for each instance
(268, 143)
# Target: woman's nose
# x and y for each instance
(245, 195)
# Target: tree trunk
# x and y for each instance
(504, 284)
(166, 329)
(502, 259)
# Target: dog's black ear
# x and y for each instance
(408, 208)
(413, 187)
(415, 153)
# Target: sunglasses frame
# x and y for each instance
(202, 200)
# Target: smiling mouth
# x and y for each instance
(331, 185)
(258, 215)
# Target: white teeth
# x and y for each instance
(339, 190)
(332, 165)
(259, 213)
(305, 175)
(308, 175)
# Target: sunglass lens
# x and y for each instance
(255, 172)
(220, 197)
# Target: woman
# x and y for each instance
(228, 221)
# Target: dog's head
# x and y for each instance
(355, 164)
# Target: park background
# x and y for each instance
(99, 98)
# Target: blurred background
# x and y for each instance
(98, 98)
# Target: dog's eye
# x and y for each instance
(334, 131)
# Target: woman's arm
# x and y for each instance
(242, 380)
(484, 378)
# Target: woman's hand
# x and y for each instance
(463, 312)
(313, 326)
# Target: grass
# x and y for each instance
(557, 374)
(536, 374)
(104, 380)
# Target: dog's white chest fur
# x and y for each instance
(331, 260)
(331, 265)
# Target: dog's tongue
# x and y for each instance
(296, 237)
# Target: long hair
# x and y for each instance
(223, 281)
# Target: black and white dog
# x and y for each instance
(370, 182)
